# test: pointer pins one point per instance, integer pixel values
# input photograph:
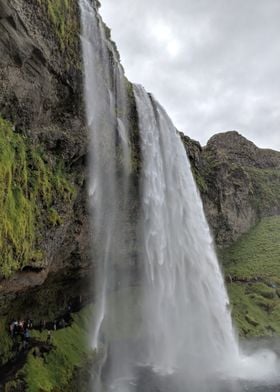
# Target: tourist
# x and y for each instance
(49, 337)
(12, 328)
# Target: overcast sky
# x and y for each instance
(213, 64)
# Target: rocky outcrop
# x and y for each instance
(41, 98)
(41, 102)
(43, 133)
(239, 183)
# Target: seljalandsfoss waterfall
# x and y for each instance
(162, 318)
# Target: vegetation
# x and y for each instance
(30, 185)
(6, 343)
(71, 349)
(200, 180)
(252, 268)
(265, 185)
(63, 16)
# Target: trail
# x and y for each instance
(9, 370)
(12, 367)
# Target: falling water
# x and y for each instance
(188, 325)
(106, 109)
(186, 304)
(182, 313)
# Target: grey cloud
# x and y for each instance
(218, 71)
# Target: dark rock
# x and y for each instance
(239, 183)
(41, 95)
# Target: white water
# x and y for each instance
(186, 321)
(186, 307)
(186, 304)
(106, 110)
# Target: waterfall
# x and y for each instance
(186, 304)
(106, 99)
(175, 321)
(110, 166)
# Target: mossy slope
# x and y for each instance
(30, 188)
(252, 268)
(71, 350)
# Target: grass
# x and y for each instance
(71, 350)
(256, 254)
(265, 185)
(72, 356)
(253, 265)
(72, 359)
(30, 186)
(6, 343)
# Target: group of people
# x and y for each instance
(51, 325)
(20, 332)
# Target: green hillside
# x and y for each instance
(252, 270)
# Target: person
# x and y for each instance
(49, 337)
(21, 326)
(29, 324)
(27, 335)
(36, 352)
(62, 323)
(12, 328)
(54, 325)
(69, 310)
(16, 329)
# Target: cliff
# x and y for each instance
(239, 183)
(44, 228)
(43, 143)
(45, 250)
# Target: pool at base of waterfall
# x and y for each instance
(146, 380)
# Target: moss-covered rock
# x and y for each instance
(63, 16)
(57, 369)
(30, 187)
(6, 345)
(252, 270)
(239, 183)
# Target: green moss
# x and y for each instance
(63, 15)
(254, 315)
(28, 184)
(71, 350)
(257, 253)
(253, 265)
(54, 217)
(200, 180)
(6, 342)
(265, 185)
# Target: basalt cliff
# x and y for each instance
(44, 230)
(45, 246)
(239, 183)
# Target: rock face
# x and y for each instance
(43, 135)
(239, 183)
(41, 106)
(41, 98)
